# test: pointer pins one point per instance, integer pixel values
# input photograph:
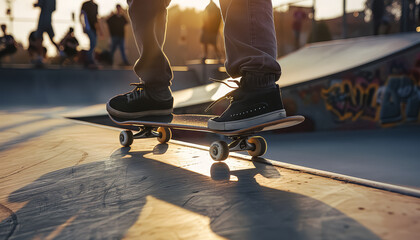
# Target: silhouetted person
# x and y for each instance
(378, 11)
(89, 20)
(37, 53)
(418, 15)
(116, 24)
(68, 46)
(44, 22)
(412, 23)
(8, 44)
(386, 22)
(210, 30)
(298, 16)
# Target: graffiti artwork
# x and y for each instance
(350, 101)
(396, 101)
(399, 100)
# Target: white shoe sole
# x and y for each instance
(133, 115)
(248, 122)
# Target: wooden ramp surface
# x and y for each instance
(63, 179)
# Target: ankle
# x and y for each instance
(252, 80)
(160, 94)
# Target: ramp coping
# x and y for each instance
(336, 176)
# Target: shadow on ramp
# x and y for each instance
(108, 199)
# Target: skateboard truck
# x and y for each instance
(219, 150)
(162, 134)
(146, 132)
(240, 144)
(256, 146)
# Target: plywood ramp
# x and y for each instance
(63, 179)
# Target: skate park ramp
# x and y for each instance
(302, 94)
(66, 179)
(24, 85)
(319, 62)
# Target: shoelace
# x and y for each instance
(228, 95)
(136, 92)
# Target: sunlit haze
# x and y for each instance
(26, 16)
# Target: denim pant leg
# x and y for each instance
(114, 44)
(92, 38)
(122, 50)
(148, 20)
(250, 37)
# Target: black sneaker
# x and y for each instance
(249, 107)
(138, 103)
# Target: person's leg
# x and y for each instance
(51, 34)
(250, 37)
(216, 50)
(92, 39)
(206, 51)
(297, 39)
(376, 26)
(152, 96)
(148, 21)
(122, 50)
(251, 51)
(114, 43)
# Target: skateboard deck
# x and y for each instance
(242, 139)
(194, 122)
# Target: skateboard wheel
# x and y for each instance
(219, 150)
(126, 138)
(165, 134)
(260, 146)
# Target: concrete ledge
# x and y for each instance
(72, 86)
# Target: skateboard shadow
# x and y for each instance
(161, 119)
(102, 200)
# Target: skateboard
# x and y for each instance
(242, 139)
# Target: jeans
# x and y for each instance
(118, 42)
(250, 39)
(92, 38)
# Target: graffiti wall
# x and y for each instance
(380, 95)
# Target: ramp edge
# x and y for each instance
(335, 176)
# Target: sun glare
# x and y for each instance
(197, 4)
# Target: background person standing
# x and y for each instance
(210, 30)
(298, 17)
(378, 11)
(89, 20)
(45, 22)
(116, 25)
